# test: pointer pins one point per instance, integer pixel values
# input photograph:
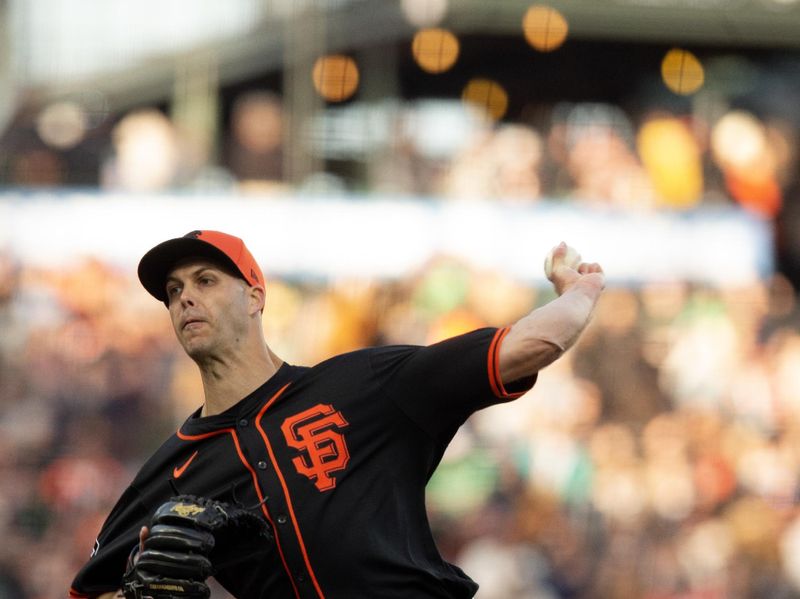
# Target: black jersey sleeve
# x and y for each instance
(102, 573)
(439, 386)
(119, 533)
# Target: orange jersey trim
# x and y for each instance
(254, 476)
(73, 594)
(493, 366)
(287, 495)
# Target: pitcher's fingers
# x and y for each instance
(143, 534)
(588, 267)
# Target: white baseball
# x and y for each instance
(571, 259)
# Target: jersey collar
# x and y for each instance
(245, 408)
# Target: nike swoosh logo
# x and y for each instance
(177, 472)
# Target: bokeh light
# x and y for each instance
(545, 28)
(737, 139)
(424, 13)
(671, 155)
(335, 77)
(488, 96)
(435, 50)
(62, 125)
(740, 148)
(682, 72)
(147, 155)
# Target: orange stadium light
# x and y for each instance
(545, 28)
(488, 96)
(682, 72)
(335, 77)
(435, 50)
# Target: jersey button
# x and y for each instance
(243, 422)
(282, 519)
(300, 578)
(262, 465)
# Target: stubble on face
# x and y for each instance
(211, 322)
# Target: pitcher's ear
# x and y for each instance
(257, 298)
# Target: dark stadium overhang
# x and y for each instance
(356, 25)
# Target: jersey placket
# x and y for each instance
(276, 505)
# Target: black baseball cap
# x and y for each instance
(226, 249)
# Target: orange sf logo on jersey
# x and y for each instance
(315, 432)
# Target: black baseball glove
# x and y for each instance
(190, 538)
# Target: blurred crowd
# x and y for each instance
(659, 459)
(663, 156)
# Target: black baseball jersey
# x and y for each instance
(336, 458)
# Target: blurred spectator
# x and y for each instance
(146, 153)
(750, 161)
(254, 149)
(593, 149)
(37, 168)
(499, 164)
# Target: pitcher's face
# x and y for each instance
(209, 308)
